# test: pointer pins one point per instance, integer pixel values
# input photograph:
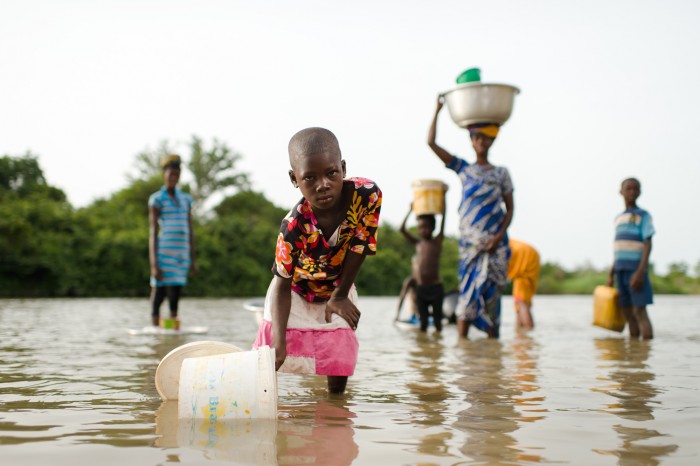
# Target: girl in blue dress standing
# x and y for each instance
(171, 240)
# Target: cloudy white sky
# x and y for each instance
(609, 90)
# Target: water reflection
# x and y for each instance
(147, 363)
(72, 381)
(245, 442)
(629, 382)
(428, 403)
(494, 390)
(317, 433)
(530, 401)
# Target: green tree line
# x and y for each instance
(48, 248)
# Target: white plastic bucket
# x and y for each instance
(233, 386)
(428, 196)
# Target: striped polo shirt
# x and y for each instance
(632, 228)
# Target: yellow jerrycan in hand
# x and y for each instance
(606, 309)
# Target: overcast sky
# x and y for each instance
(609, 90)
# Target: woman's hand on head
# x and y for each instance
(345, 309)
(440, 102)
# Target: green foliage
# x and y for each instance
(554, 279)
(383, 273)
(235, 250)
(113, 243)
(214, 170)
(551, 277)
(35, 230)
(449, 263)
(234, 259)
(147, 162)
(253, 205)
(676, 281)
(21, 177)
(34, 244)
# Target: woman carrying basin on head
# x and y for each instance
(483, 242)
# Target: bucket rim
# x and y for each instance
(167, 377)
(420, 182)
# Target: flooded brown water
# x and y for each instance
(76, 389)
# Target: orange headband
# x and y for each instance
(487, 129)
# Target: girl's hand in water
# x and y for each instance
(345, 309)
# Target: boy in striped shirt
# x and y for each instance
(633, 232)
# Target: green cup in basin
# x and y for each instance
(469, 76)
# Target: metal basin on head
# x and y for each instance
(476, 102)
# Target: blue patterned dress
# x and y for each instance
(481, 275)
(173, 236)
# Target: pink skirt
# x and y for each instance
(314, 346)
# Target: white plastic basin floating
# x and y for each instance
(476, 102)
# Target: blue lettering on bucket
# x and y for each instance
(213, 403)
(211, 382)
(212, 438)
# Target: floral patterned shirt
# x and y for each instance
(315, 262)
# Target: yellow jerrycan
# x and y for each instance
(606, 309)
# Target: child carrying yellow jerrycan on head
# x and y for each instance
(310, 313)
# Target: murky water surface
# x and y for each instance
(76, 389)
